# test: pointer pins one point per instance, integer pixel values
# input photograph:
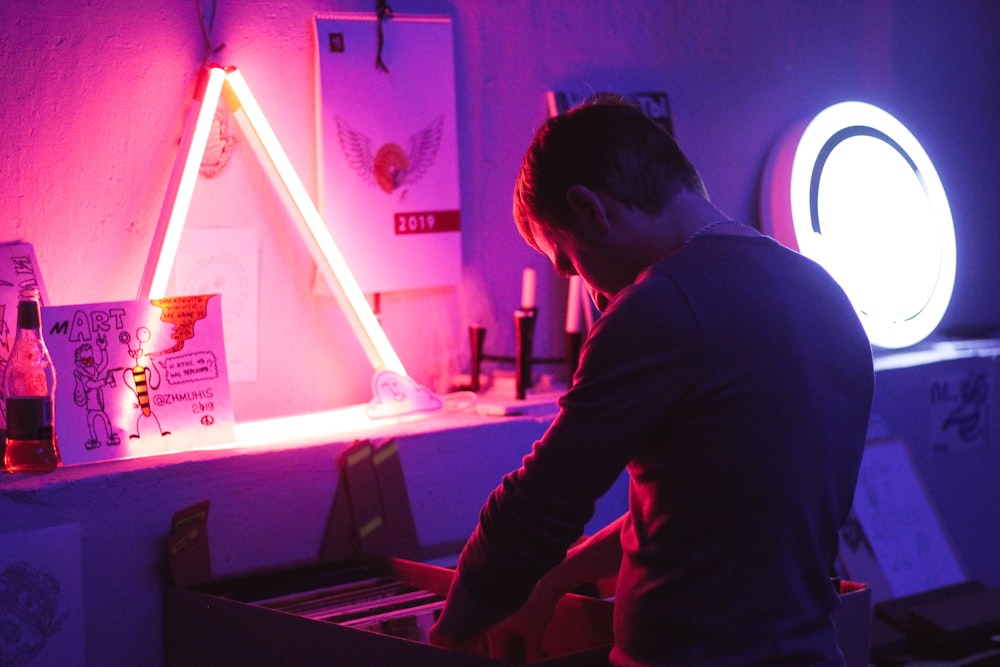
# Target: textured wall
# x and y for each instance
(94, 94)
(92, 102)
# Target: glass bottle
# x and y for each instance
(29, 386)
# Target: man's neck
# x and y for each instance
(686, 214)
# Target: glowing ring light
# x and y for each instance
(854, 190)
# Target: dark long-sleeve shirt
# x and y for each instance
(734, 381)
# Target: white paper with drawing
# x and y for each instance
(41, 598)
(226, 262)
(906, 537)
(136, 378)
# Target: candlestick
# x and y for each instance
(528, 289)
(573, 303)
(477, 336)
(524, 326)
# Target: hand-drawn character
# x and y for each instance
(28, 602)
(969, 417)
(141, 379)
(92, 375)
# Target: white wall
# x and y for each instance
(92, 102)
(272, 506)
(93, 99)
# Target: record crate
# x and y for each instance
(367, 613)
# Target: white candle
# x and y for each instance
(528, 289)
(573, 304)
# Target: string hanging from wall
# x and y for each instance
(382, 12)
(207, 23)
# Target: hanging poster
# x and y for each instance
(388, 148)
(18, 270)
(137, 378)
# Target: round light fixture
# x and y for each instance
(853, 190)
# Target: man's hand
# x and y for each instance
(475, 646)
(463, 621)
(518, 638)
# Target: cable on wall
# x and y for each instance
(382, 12)
(207, 25)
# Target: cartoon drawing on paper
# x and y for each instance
(141, 379)
(91, 375)
(131, 369)
(390, 167)
(968, 418)
(223, 273)
(28, 602)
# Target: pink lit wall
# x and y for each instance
(93, 98)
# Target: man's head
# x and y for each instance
(607, 146)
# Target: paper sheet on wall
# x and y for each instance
(901, 527)
(137, 378)
(959, 411)
(226, 262)
(388, 149)
(18, 270)
(41, 598)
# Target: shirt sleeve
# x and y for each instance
(641, 357)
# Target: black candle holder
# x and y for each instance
(524, 333)
(524, 360)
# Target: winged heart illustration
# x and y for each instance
(390, 167)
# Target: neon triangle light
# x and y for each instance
(390, 379)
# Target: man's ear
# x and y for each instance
(589, 210)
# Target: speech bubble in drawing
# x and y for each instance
(190, 367)
(182, 312)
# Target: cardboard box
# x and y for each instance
(216, 624)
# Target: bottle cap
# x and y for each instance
(28, 308)
(27, 315)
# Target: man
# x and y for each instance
(728, 374)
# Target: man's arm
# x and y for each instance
(596, 558)
(464, 619)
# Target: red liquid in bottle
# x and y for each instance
(31, 443)
(31, 455)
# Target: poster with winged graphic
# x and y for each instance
(389, 188)
(138, 378)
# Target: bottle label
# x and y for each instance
(29, 417)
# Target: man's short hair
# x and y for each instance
(607, 145)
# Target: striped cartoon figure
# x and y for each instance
(141, 379)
